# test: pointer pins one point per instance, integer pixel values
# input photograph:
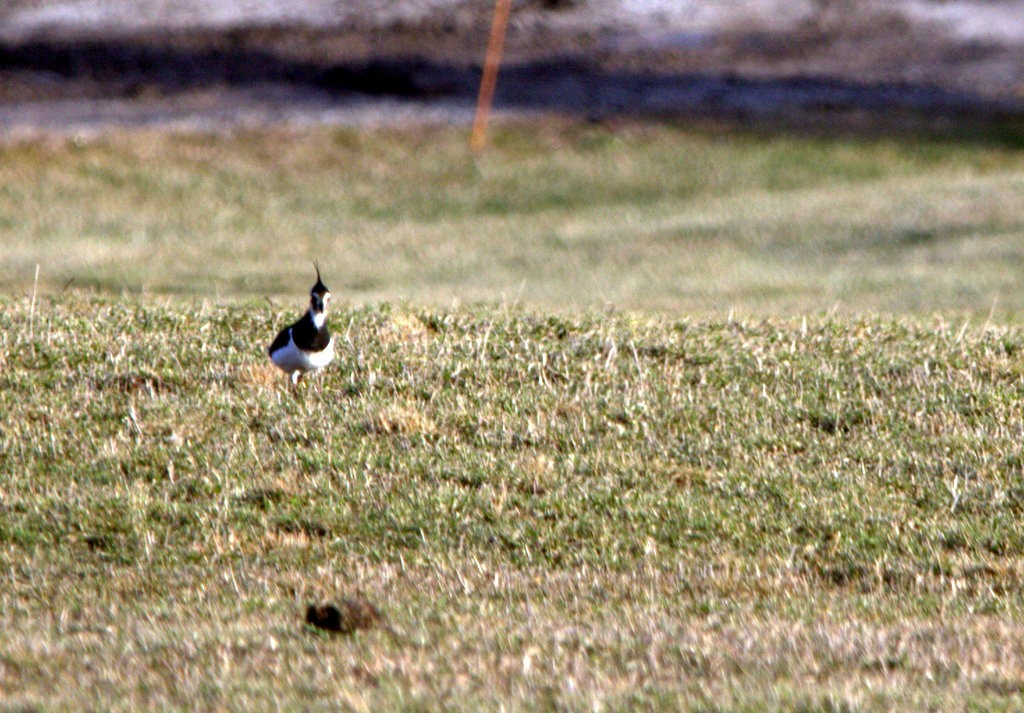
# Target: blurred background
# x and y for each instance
(752, 59)
(752, 155)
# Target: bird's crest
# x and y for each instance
(319, 288)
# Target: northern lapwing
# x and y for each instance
(307, 345)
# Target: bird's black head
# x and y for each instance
(319, 296)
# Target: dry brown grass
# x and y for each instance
(260, 374)
(401, 420)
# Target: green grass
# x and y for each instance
(554, 216)
(731, 422)
(618, 511)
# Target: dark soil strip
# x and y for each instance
(133, 67)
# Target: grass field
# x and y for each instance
(557, 216)
(555, 505)
(820, 514)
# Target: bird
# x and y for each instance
(306, 345)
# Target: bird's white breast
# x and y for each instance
(290, 358)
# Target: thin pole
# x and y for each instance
(490, 78)
(32, 308)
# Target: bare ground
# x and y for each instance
(841, 64)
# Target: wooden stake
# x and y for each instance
(32, 308)
(495, 45)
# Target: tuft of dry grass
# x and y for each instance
(402, 420)
(265, 375)
(404, 327)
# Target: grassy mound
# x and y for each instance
(548, 511)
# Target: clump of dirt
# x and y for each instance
(350, 615)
